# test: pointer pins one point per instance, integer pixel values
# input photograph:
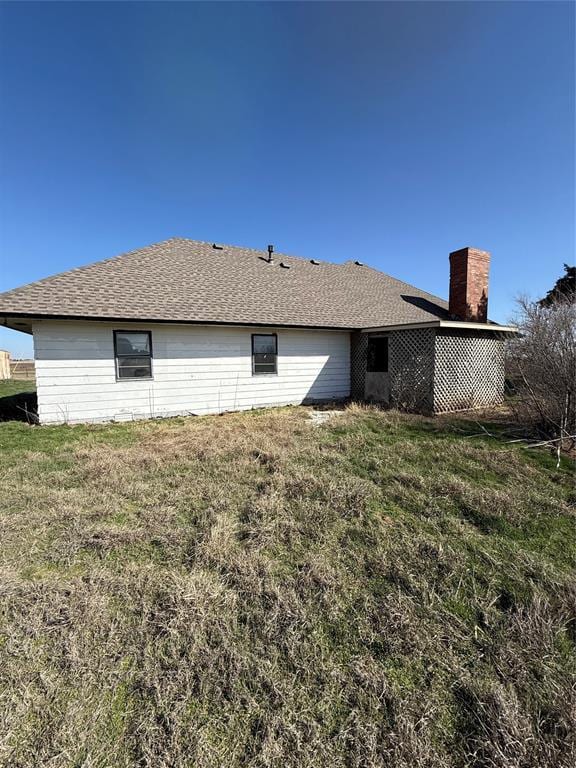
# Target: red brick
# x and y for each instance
(469, 269)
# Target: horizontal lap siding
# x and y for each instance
(197, 369)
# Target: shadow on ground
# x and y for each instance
(22, 406)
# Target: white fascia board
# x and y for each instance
(465, 326)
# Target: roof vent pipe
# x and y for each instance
(270, 252)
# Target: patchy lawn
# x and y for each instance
(253, 590)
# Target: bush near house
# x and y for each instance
(541, 363)
(254, 590)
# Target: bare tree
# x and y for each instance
(542, 366)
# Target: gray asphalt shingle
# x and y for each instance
(183, 280)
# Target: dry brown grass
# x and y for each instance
(252, 590)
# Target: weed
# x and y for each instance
(250, 590)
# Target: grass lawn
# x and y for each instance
(253, 590)
(9, 387)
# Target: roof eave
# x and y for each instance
(454, 324)
(16, 322)
(6, 317)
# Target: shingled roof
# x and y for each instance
(181, 281)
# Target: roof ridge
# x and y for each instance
(258, 251)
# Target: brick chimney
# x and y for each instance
(469, 284)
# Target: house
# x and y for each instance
(189, 327)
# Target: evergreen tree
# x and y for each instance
(565, 288)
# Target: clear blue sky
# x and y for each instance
(389, 132)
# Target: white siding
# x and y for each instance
(196, 370)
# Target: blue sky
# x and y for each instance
(389, 132)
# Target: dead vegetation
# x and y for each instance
(253, 590)
(541, 367)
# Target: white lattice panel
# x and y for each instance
(439, 373)
(469, 372)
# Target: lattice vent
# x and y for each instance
(411, 363)
(469, 372)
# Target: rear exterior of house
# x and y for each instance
(191, 370)
(185, 327)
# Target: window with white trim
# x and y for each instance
(264, 353)
(133, 353)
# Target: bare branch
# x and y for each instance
(541, 366)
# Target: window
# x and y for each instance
(133, 350)
(377, 355)
(264, 353)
